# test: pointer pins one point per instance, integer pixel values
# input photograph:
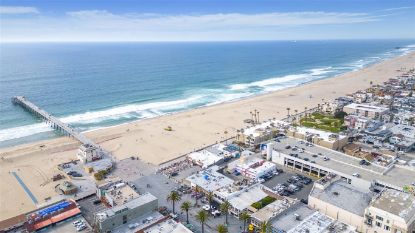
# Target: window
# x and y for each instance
(379, 218)
(378, 224)
(386, 227)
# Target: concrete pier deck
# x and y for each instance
(53, 121)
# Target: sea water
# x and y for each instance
(95, 85)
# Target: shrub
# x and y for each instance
(263, 202)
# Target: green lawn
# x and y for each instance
(323, 121)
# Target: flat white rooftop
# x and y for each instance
(247, 197)
(256, 129)
(205, 158)
(273, 209)
(367, 107)
(326, 136)
(209, 179)
(168, 226)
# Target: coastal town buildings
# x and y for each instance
(124, 205)
(366, 110)
(258, 133)
(319, 137)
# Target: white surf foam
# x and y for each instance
(23, 131)
(201, 97)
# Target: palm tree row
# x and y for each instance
(202, 216)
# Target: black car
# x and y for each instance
(298, 184)
(306, 181)
(287, 147)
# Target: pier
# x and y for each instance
(54, 122)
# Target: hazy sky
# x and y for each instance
(202, 20)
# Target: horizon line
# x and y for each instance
(194, 41)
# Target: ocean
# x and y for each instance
(96, 85)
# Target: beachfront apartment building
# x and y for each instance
(254, 135)
(366, 110)
(322, 138)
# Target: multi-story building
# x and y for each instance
(124, 204)
(391, 211)
(333, 198)
(322, 138)
(366, 110)
(256, 134)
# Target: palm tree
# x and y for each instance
(224, 208)
(222, 228)
(296, 117)
(173, 197)
(197, 191)
(264, 227)
(305, 111)
(202, 217)
(185, 207)
(209, 198)
(244, 217)
(288, 111)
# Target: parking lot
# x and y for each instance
(284, 177)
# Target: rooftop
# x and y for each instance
(168, 226)
(209, 179)
(205, 157)
(326, 136)
(339, 193)
(406, 130)
(252, 164)
(132, 204)
(302, 219)
(244, 198)
(273, 209)
(292, 217)
(338, 162)
(398, 203)
(256, 129)
(367, 107)
(121, 194)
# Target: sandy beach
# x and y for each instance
(36, 162)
